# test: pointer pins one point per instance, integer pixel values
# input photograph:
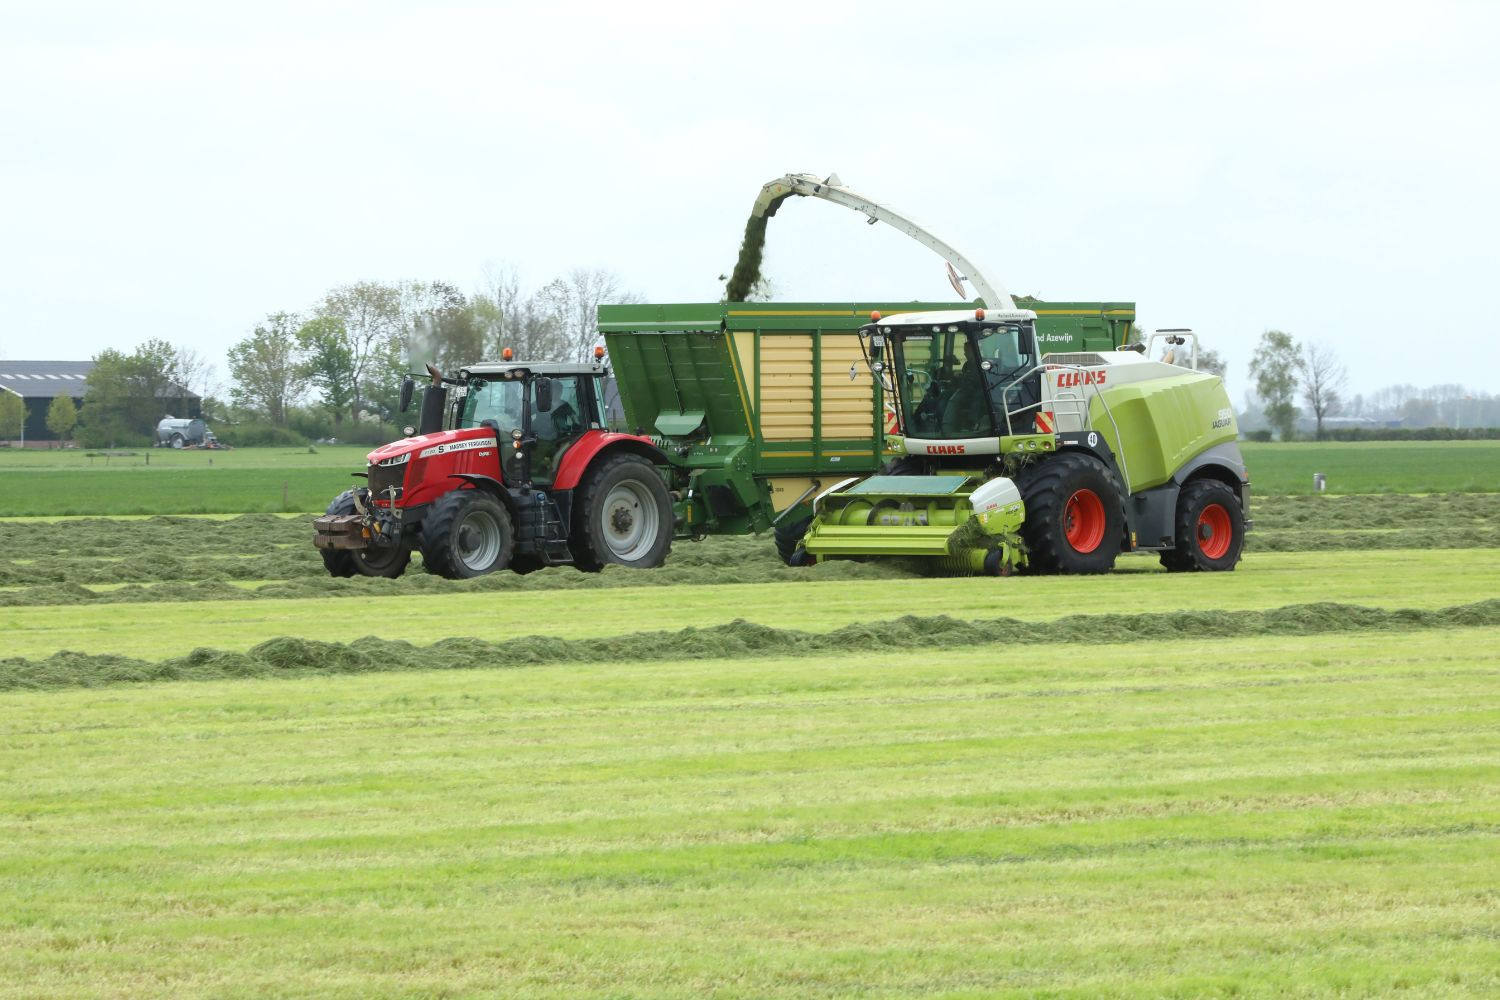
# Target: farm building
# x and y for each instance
(38, 383)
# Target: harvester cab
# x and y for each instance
(511, 466)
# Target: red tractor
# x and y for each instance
(525, 475)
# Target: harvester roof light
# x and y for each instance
(979, 314)
(507, 354)
(598, 353)
(874, 315)
(952, 329)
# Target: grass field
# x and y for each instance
(55, 483)
(1175, 819)
(729, 778)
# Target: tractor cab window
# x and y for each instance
(941, 385)
(499, 401)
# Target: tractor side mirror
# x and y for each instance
(542, 391)
(407, 388)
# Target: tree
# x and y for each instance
(12, 415)
(506, 317)
(267, 367)
(439, 326)
(1274, 368)
(62, 417)
(128, 393)
(328, 363)
(193, 372)
(1322, 378)
(1212, 362)
(371, 317)
(574, 300)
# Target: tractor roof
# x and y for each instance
(536, 368)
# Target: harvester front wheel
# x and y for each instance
(1210, 529)
(1074, 523)
(467, 533)
(624, 516)
(387, 561)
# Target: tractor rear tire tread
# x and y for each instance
(1046, 487)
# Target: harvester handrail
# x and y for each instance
(1087, 419)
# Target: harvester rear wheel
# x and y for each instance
(467, 533)
(624, 516)
(385, 561)
(1210, 529)
(1074, 523)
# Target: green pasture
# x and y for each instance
(246, 480)
(1374, 466)
(1269, 817)
(157, 630)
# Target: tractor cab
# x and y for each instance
(958, 376)
(537, 410)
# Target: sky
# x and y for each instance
(179, 170)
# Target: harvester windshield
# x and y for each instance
(952, 378)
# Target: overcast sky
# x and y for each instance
(181, 169)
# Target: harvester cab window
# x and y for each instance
(941, 388)
(1011, 351)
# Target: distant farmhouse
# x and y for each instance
(38, 383)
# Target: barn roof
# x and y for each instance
(49, 379)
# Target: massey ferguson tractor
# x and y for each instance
(526, 475)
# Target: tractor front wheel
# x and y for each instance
(1074, 523)
(467, 533)
(624, 516)
(1210, 529)
(388, 561)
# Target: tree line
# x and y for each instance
(1286, 373)
(333, 370)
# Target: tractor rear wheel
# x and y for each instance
(386, 561)
(467, 533)
(623, 516)
(1074, 523)
(1210, 529)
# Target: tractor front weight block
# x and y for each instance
(341, 531)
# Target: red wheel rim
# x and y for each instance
(1215, 531)
(1083, 521)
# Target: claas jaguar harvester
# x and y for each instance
(984, 436)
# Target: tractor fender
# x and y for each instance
(480, 481)
(579, 457)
